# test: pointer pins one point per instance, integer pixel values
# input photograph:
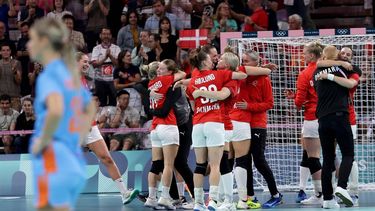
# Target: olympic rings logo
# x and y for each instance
(281, 33)
(342, 31)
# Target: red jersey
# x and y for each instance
(84, 84)
(352, 115)
(306, 94)
(208, 110)
(241, 115)
(260, 18)
(261, 100)
(233, 87)
(162, 84)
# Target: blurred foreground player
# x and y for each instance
(64, 113)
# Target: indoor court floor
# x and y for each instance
(112, 202)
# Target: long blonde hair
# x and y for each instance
(58, 35)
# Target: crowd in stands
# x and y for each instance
(118, 37)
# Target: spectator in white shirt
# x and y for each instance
(139, 53)
(182, 9)
(104, 59)
(121, 116)
(8, 117)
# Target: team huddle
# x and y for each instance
(230, 103)
(221, 111)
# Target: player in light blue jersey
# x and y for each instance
(64, 113)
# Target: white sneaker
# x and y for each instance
(167, 203)
(242, 205)
(313, 200)
(330, 204)
(129, 196)
(187, 206)
(227, 206)
(344, 196)
(151, 203)
(355, 199)
(199, 207)
(212, 205)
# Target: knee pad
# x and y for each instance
(314, 165)
(225, 167)
(157, 166)
(304, 161)
(242, 162)
(201, 168)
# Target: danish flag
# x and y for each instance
(193, 38)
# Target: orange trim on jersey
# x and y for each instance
(49, 160)
(43, 191)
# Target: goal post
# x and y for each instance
(283, 150)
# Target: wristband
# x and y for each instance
(330, 77)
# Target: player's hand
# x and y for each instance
(154, 95)
(347, 65)
(248, 20)
(241, 105)
(196, 93)
(323, 76)
(39, 146)
(289, 94)
(108, 53)
(271, 66)
(178, 84)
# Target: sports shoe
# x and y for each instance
(355, 199)
(151, 203)
(227, 206)
(187, 206)
(273, 202)
(129, 196)
(344, 196)
(142, 197)
(313, 200)
(330, 204)
(166, 203)
(242, 205)
(253, 203)
(199, 207)
(212, 205)
(301, 196)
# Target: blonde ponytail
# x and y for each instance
(58, 35)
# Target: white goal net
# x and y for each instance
(283, 150)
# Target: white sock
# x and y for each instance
(241, 180)
(277, 195)
(199, 195)
(304, 174)
(317, 187)
(228, 186)
(214, 192)
(353, 179)
(121, 186)
(165, 192)
(221, 189)
(181, 188)
(152, 192)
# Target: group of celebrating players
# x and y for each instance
(230, 103)
(228, 125)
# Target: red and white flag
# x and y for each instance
(193, 38)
